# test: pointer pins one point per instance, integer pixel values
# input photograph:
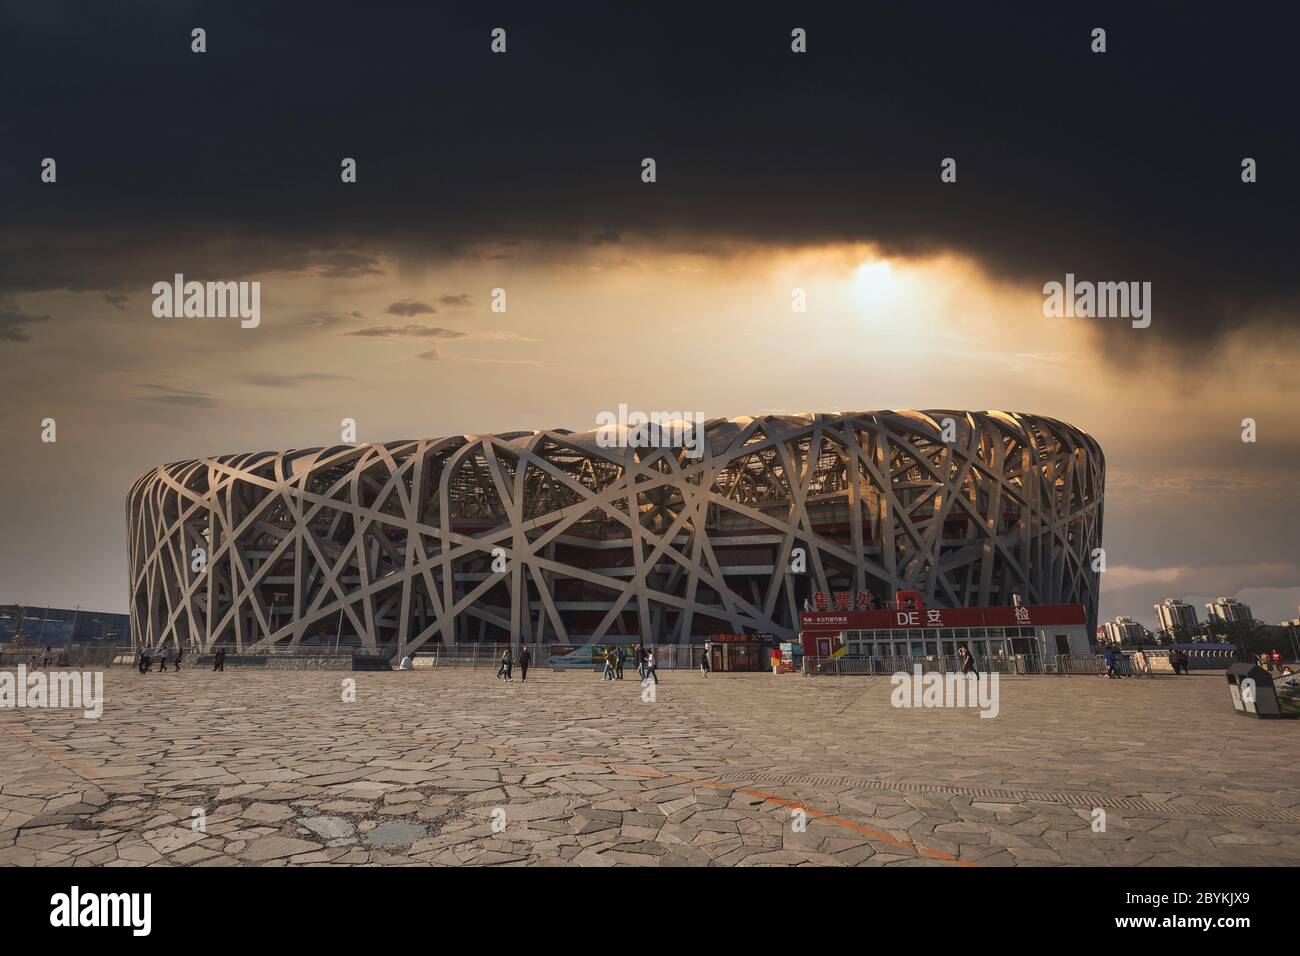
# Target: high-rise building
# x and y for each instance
(1177, 618)
(1124, 630)
(1228, 609)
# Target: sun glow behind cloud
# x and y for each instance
(712, 330)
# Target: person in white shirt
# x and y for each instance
(650, 666)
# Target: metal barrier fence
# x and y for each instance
(68, 655)
(667, 657)
(479, 655)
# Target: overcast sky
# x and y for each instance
(775, 171)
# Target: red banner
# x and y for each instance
(1022, 616)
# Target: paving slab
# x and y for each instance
(736, 770)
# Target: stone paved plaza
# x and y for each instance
(585, 773)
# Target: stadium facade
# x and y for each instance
(569, 538)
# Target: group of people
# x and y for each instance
(1115, 663)
(145, 662)
(645, 663)
(507, 663)
(1140, 663)
(43, 662)
(1272, 661)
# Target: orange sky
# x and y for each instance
(1191, 510)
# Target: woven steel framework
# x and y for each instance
(548, 536)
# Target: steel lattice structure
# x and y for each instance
(391, 545)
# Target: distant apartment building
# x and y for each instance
(1177, 618)
(1124, 630)
(1228, 610)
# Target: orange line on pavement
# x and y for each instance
(35, 742)
(629, 770)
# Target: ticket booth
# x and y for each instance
(823, 644)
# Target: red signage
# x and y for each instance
(909, 601)
(1022, 616)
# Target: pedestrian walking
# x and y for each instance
(504, 669)
(219, 660)
(162, 659)
(638, 653)
(180, 652)
(144, 660)
(1109, 657)
(45, 661)
(525, 658)
(618, 663)
(967, 662)
(650, 670)
(607, 672)
(1140, 663)
(704, 663)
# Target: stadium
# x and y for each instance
(571, 538)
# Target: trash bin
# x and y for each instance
(1254, 692)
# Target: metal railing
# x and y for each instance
(68, 655)
(1023, 664)
(480, 655)
(477, 656)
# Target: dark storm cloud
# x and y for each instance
(408, 307)
(1123, 166)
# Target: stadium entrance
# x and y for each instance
(1030, 631)
(738, 652)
